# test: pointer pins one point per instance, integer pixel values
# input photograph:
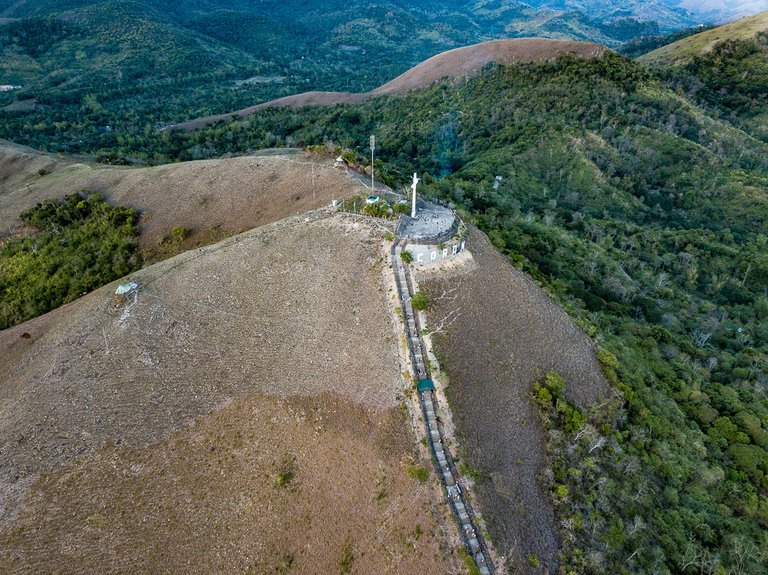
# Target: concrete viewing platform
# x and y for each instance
(433, 223)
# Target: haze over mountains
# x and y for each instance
(665, 11)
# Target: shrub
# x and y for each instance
(469, 563)
(419, 473)
(284, 477)
(287, 473)
(399, 208)
(472, 472)
(347, 558)
(180, 233)
(406, 256)
(543, 395)
(377, 210)
(554, 383)
(420, 301)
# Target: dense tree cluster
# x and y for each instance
(80, 244)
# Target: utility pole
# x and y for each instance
(373, 147)
(413, 201)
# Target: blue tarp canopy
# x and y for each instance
(425, 384)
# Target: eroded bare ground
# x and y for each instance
(504, 333)
(149, 435)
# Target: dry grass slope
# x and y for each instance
(212, 198)
(451, 64)
(239, 416)
(684, 50)
(471, 59)
(507, 334)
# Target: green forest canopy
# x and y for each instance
(81, 244)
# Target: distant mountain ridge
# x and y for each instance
(669, 13)
(94, 71)
(685, 49)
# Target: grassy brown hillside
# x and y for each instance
(471, 59)
(226, 419)
(504, 333)
(211, 199)
(686, 49)
(455, 63)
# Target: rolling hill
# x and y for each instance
(453, 64)
(192, 426)
(75, 246)
(685, 50)
(212, 199)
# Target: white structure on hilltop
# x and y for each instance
(413, 201)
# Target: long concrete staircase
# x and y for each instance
(455, 492)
